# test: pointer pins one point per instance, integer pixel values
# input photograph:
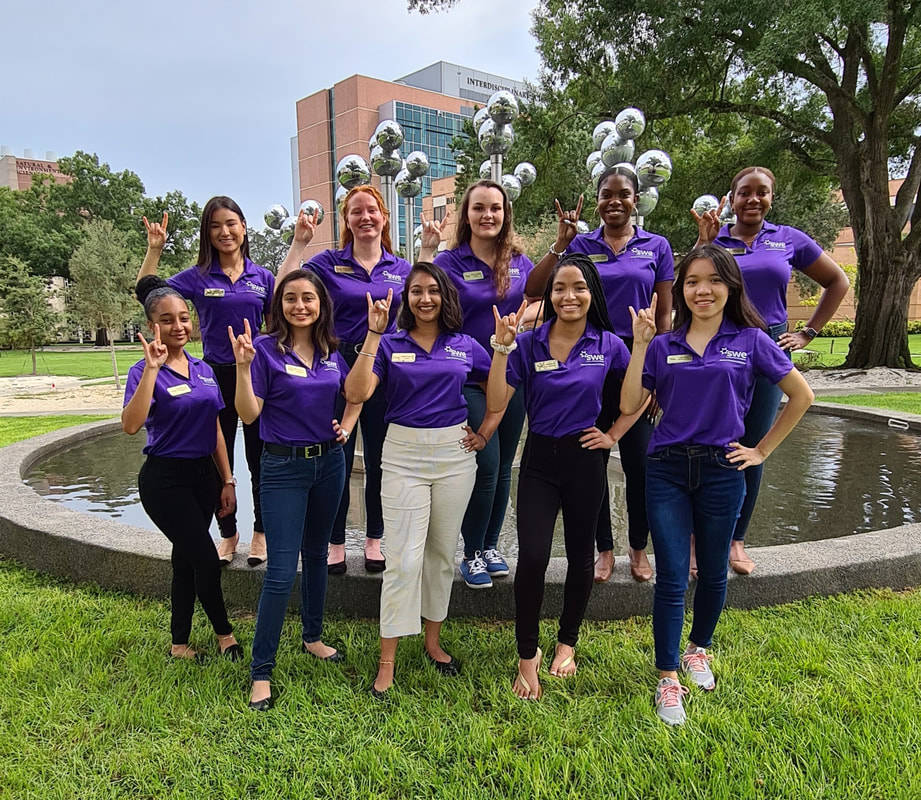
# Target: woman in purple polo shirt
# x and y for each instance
(767, 254)
(487, 268)
(428, 458)
(291, 380)
(176, 398)
(634, 266)
(703, 373)
(225, 287)
(562, 368)
(364, 263)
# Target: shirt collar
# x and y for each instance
(766, 227)
(248, 267)
(638, 234)
(346, 255)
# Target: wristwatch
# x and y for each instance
(810, 332)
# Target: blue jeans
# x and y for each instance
(692, 489)
(758, 421)
(489, 501)
(299, 501)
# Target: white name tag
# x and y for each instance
(546, 366)
(474, 275)
(343, 269)
(294, 369)
(682, 359)
(214, 292)
(598, 258)
(403, 358)
(182, 388)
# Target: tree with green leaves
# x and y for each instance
(267, 248)
(101, 292)
(27, 319)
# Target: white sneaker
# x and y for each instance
(669, 707)
(696, 665)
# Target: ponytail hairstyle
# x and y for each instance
(150, 290)
(738, 308)
(205, 250)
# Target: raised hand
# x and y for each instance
(566, 230)
(156, 232)
(305, 228)
(243, 350)
(379, 312)
(155, 351)
(507, 326)
(472, 440)
(431, 231)
(644, 322)
(708, 223)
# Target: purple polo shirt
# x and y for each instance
(299, 402)
(348, 281)
(705, 398)
(564, 398)
(477, 289)
(425, 390)
(628, 278)
(768, 264)
(221, 302)
(182, 421)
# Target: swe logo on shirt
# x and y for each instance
(457, 355)
(392, 277)
(207, 380)
(642, 253)
(733, 356)
(255, 287)
(329, 364)
(591, 359)
(770, 244)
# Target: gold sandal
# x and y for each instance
(524, 683)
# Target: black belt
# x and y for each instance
(301, 451)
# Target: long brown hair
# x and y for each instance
(506, 244)
(205, 250)
(345, 236)
(738, 307)
(322, 331)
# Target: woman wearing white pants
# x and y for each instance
(428, 462)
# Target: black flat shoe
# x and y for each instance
(233, 652)
(198, 658)
(449, 668)
(336, 658)
(262, 705)
(375, 564)
(377, 694)
(338, 568)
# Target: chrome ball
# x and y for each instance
(582, 226)
(653, 168)
(495, 139)
(352, 171)
(341, 192)
(526, 173)
(287, 229)
(705, 203)
(512, 187)
(727, 215)
(478, 118)
(417, 163)
(627, 166)
(593, 158)
(647, 200)
(596, 173)
(389, 135)
(601, 132)
(406, 185)
(311, 207)
(630, 123)
(614, 149)
(417, 231)
(502, 107)
(275, 215)
(486, 170)
(386, 163)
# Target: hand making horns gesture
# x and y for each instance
(644, 322)
(431, 231)
(507, 326)
(379, 312)
(708, 223)
(155, 351)
(156, 232)
(566, 231)
(243, 350)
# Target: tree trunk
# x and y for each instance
(881, 328)
(34, 365)
(111, 335)
(101, 337)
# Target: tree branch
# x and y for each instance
(905, 198)
(753, 109)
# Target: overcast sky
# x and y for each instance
(199, 95)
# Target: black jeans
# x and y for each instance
(632, 446)
(554, 474)
(226, 376)
(373, 432)
(179, 494)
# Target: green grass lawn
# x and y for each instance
(93, 364)
(893, 401)
(817, 699)
(833, 350)
(15, 429)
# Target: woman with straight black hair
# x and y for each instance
(563, 368)
(225, 287)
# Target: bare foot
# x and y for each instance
(604, 566)
(320, 650)
(693, 568)
(527, 684)
(183, 651)
(225, 642)
(336, 554)
(437, 654)
(384, 679)
(372, 550)
(739, 560)
(640, 568)
(261, 690)
(564, 663)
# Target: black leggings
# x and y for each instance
(554, 474)
(226, 375)
(178, 495)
